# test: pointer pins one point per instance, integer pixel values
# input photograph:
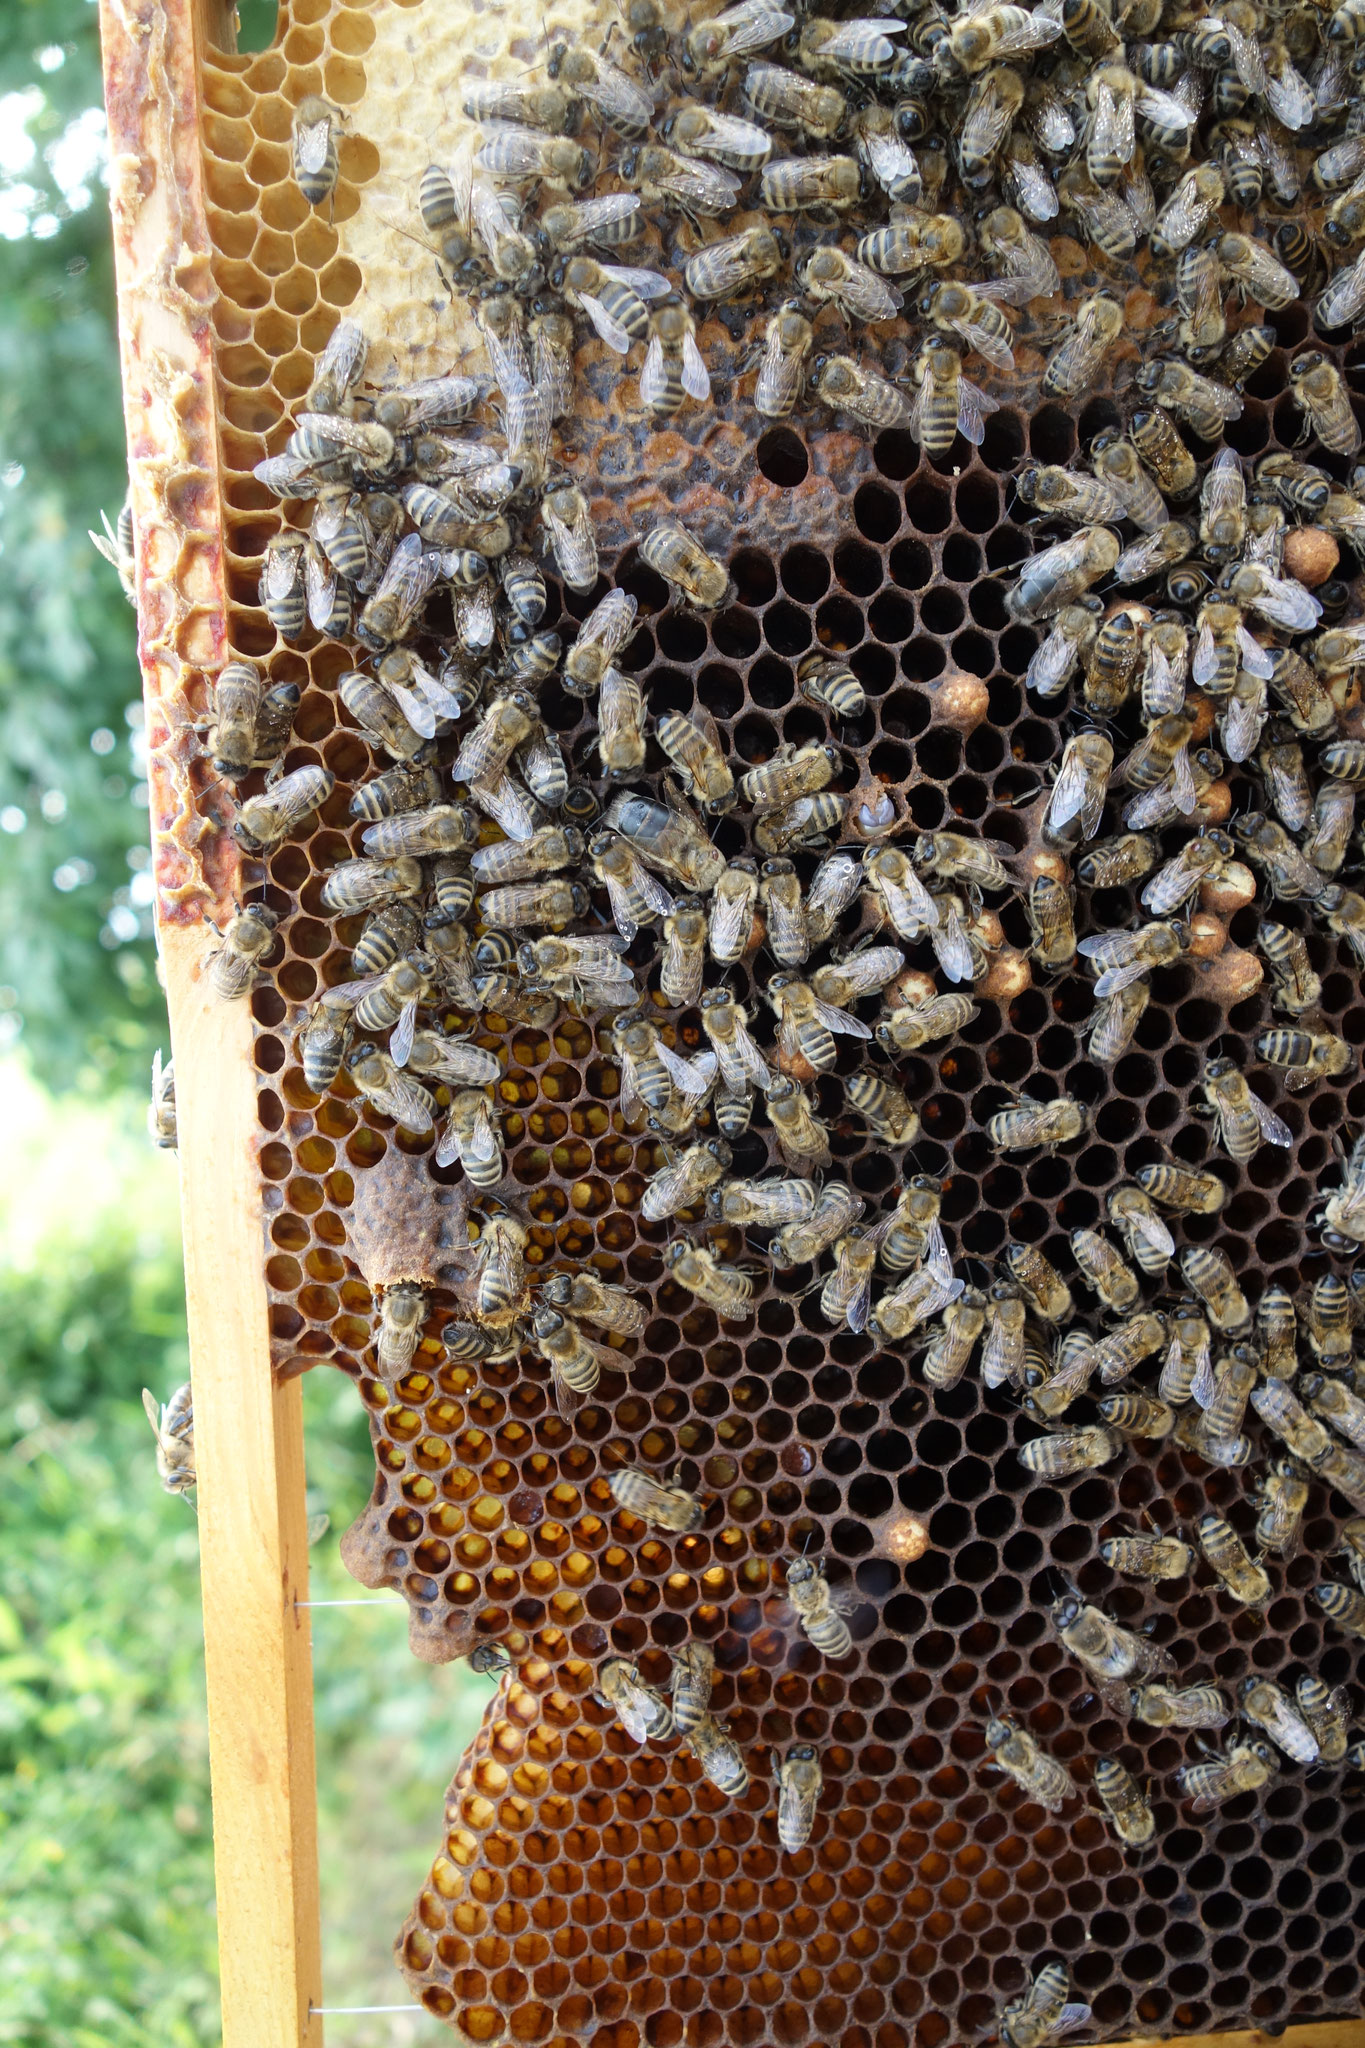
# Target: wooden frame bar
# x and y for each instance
(248, 1428)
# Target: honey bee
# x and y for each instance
(1040, 1776)
(391, 932)
(683, 1183)
(617, 99)
(819, 1609)
(1133, 1820)
(1136, 1415)
(1041, 1283)
(402, 1312)
(173, 1428)
(763, 1203)
(389, 1090)
(694, 1667)
(1193, 1706)
(471, 1136)
(1297, 987)
(730, 917)
(693, 744)
(233, 969)
(785, 914)
(987, 33)
(1042, 2014)
(1332, 818)
(1164, 549)
(1326, 1711)
(847, 386)
(951, 1346)
(801, 1240)
(735, 265)
(1110, 1654)
(663, 1504)
(1209, 1272)
(673, 369)
(356, 885)
(898, 891)
(1352, 1547)
(1342, 1605)
(782, 374)
(395, 608)
(1060, 494)
(1243, 1767)
(824, 186)
(1247, 1582)
(1002, 1355)
(1113, 863)
(1031, 1122)
(1071, 1450)
(314, 147)
(161, 1125)
(683, 964)
(800, 1779)
(451, 1061)
(263, 821)
(1148, 1557)
(805, 1022)
(1075, 364)
(1148, 1240)
(801, 1137)
(1318, 387)
(620, 726)
(830, 276)
(1244, 1122)
(883, 149)
(1126, 1345)
(847, 1293)
(683, 184)
(1343, 912)
(720, 1757)
(1265, 1703)
(697, 579)
(1308, 1055)
(564, 512)
(1069, 641)
(644, 1713)
(1200, 860)
(575, 1361)
(910, 1026)
(282, 590)
(1113, 661)
(1336, 1404)
(724, 1288)
(514, 151)
(1202, 404)
(636, 897)
(1061, 574)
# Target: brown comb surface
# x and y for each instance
(587, 1885)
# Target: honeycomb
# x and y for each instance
(588, 1887)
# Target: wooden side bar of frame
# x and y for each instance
(248, 1429)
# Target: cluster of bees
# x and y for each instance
(927, 148)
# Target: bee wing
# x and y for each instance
(633, 1715)
(1273, 1130)
(1114, 949)
(511, 151)
(620, 705)
(1204, 1386)
(1068, 2019)
(511, 366)
(311, 144)
(692, 1076)
(1247, 60)
(1258, 660)
(280, 572)
(152, 1411)
(1070, 792)
(752, 1061)
(1183, 783)
(986, 344)
(1241, 727)
(1049, 664)
(646, 284)
(1034, 32)
(696, 378)
(1112, 133)
(936, 1257)
(482, 1142)
(730, 920)
(867, 296)
(972, 406)
(911, 906)
(1204, 663)
(1344, 298)
(1287, 604)
(1115, 978)
(859, 1306)
(420, 714)
(320, 586)
(949, 942)
(1152, 1231)
(608, 330)
(1163, 107)
(1001, 1355)
(618, 98)
(400, 1044)
(839, 1020)
(755, 30)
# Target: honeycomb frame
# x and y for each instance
(511, 1938)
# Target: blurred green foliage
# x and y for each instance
(77, 972)
(106, 1880)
